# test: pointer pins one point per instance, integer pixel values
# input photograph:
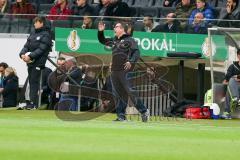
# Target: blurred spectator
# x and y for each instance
(4, 7)
(198, 26)
(171, 25)
(3, 66)
(10, 89)
(54, 81)
(81, 8)
(230, 13)
(183, 12)
(60, 11)
(170, 3)
(22, 7)
(149, 23)
(87, 22)
(118, 8)
(102, 7)
(75, 74)
(203, 7)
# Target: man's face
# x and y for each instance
(2, 2)
(231, 3)
(38, 25)
(147, 22)
(170, 18)
(60, 1)
(185, 2)
(81, 2)
(198, 18)
(87, 20)
(118, 29)
(200, 4)
(104, 2)
(1, 69)
(60, 63)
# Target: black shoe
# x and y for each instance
(20, 108)
(119, 119)
(145, 116)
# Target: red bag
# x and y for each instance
(197, 113)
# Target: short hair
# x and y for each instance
(4, 65)
(123, 24)
(39, 19)
(238, 51)
(61, 58)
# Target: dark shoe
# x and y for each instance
(145, 116)
(119, 119)
(20, 108)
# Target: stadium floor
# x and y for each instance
(41, 135)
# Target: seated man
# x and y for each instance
(198, 26)
(232, 79)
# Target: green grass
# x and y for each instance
(40, 135)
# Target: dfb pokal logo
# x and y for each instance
(73, 41)
(205, 48)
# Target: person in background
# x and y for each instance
(75, 74)
(231, 13)
(203, 7)
(10, 89)
(170, 26)
(54, 81)
(3, 66)
(81, 8)
(4, 7)
(149, 23)
(101, 8)
(34, 54)
(198, 26)
(232, 79)
(87, 22)
(22, 7)
(60, 11)
(117, 8)
(183, 12)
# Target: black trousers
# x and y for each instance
(122, 90)
(34, 74)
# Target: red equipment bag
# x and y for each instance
(197, 113)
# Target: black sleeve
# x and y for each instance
(102, 39)
(230, 72)
(45, 46)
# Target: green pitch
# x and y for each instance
(40, 135)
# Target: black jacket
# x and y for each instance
(235, 15)
(233, 69)
(39, 43)
(81, 11)
(118, 9)
(175, 28)
(123, 50)
(76, 74)
(10, 91)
